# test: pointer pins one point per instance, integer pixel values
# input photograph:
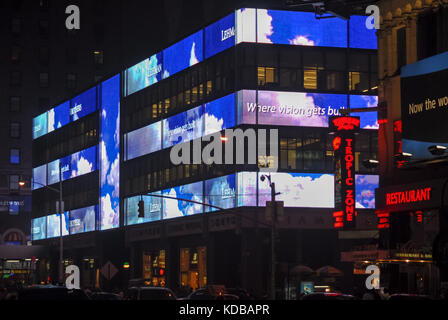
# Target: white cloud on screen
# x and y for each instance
(212, 124)
(302, 41)
(170, 206)
(113, 179)
(104, 163)
(108, 214)
(84, 166)
(265, 29)
(51, 120)
(193, 58)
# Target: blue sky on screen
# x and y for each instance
(176, 208)
(183, 54)
(59, 116)
(220, 192)
(365, 191)
(300, 28)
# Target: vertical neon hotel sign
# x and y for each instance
(344, 129)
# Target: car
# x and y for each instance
(48, 292)
(212, 293)
(327, 296)
(105, 296)
(409, 297)
(241, 293)
(150, 293)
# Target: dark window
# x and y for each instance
(14, 130)
(14, 156)
(44, 4)
(43, 28)
(98, 32)
(14, 104)
(15, 54)
(16, 78)
(71, 80)
(72, 56)
(44, 104)
(43, 79)
(401, 47)
(44, 55)
(426, 35)
(13, 182)
(16, 25)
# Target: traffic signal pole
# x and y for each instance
(273, 233)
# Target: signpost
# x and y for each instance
(109, 270)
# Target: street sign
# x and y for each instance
(270, 210)
(109, 270)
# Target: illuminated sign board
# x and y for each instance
(360, 36)
(40, 127)
(144, 74)
(183, 54)
(39, 228)
(83, 104)
(183, 127)
(83, 220)
(408, 196)
(59, 116)
(143, 141)
(83, 162)
(345, 179)
(39, 177)
(53, 225)
(220, 192)
(220, 36)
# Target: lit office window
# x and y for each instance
(310, 78)
(14, 156)
(266, 75)
(98, 56)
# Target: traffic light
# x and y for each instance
(158, 272)
(141, 209)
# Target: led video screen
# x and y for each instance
(183, 127)
(247, 189)
(153, 209)
(360, 36)
(365, 191)
(83, 220)
(369, 120)
(109, 154)
(219, 36)
(83, 162)
(245, 25)
(183, 54)
(220, 192)
(53, 227)
(144, 74)
(39, 228)
(40, 125)
(300, 28)
(83, 104)
(39, 177)
(289, 108)
(219, 114)
(143, 141)
(59, 116)
(53, 172)
(307, 190)
(173, 208)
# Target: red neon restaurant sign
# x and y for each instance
(408, 196)
(343, 145)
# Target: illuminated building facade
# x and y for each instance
(205, 224)
(410, 202)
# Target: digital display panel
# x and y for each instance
(83, 162)
(144, 74)
(59, 116)
(53, 172)
(220, 36)
(220, 192)
(360, 36)
(289, 108)
(369, 120)
(245, 22)
(39, 177)
(301, 108)
(144, 140)
(173, 208)
(153, 208)
(83, 220)
(109, 154)
(39, 228)
(307, 190)
(83, 104)
(219, 114)
(53, 227)
(365, 191)
(300, 28)
(183, 54)
(247, 189)
(183, 127)
(40, 125)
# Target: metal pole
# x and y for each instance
(61, 244)
(273, 231)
